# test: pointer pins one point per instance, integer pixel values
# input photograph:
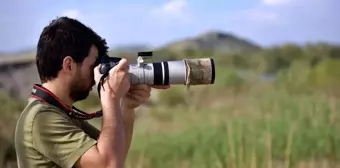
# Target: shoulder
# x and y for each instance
(38, 117)
(38, 111)
(35, 107)
(35, 113)
(32, 110)
(44, 127)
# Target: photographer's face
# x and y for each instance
(83, 81)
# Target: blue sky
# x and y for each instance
(158, 22)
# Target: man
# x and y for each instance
(67, 62)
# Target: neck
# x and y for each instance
(62, 93)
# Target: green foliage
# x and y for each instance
(242, 119)
(9, 108)
(325, 75)
(10, 105)
(284, 121)
(296, 78)
(275, 128)
(228, 78)
(231, 78)
(176, 96)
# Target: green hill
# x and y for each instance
(214, 41)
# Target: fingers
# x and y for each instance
(97, 73)
(122, 65)
(161, 86)
(138, 96)
(96, 70)
(148, 87)
(120, 70)
(118, 78)
(144, 87)
(141, 92)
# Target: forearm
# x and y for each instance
(111, 141)
(129, 118)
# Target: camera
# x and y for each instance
(197, 71)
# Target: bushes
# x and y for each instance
(274, 128)
(326, 76)
(10, 105)
(10, 109)
(176, 96)
(302, 77)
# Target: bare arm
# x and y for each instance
(110, 148)
(129, 118)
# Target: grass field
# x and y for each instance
(291, 121)
(257, 124)
(261, 127)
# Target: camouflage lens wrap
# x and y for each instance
(200, 71)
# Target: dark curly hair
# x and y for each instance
(65, 37)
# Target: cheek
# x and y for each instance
(85, 72)
(87, 77)
(91, 74)
(80, 78)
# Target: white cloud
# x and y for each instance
(172, 10)
(72, 13)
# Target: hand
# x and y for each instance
(117, 82)
(139, 94)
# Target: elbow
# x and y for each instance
(109, 161)
(112, 162)
(99, 162)
(94, 158)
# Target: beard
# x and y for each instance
(80, 90)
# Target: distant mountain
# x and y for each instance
(215, 41)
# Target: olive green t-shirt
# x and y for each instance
(46, 137)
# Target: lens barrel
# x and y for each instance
(190, 71)
(198, 71)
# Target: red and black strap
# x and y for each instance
(43, 94)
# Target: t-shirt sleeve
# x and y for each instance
(59, 139)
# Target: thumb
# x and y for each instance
(97, 73)
(122, 65)
(96, 70)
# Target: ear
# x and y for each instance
(69, 66)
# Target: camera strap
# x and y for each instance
(43, 94)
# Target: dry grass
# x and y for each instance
(273, 130)
(261, 126)
(256, 125)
